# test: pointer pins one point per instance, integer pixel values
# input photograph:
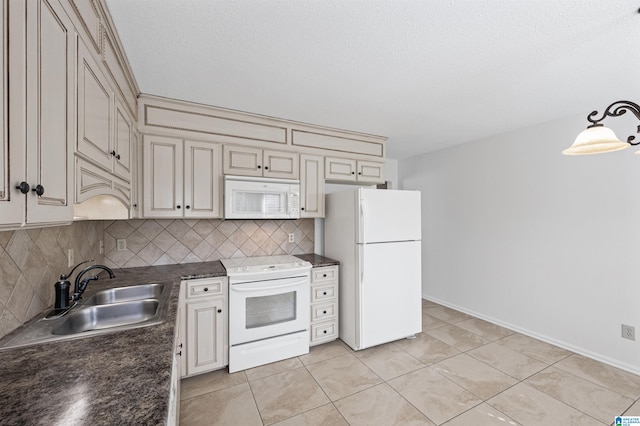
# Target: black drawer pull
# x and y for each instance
(206, 289)
(324, 312)
(324, 275)
(324, 293)
(325, 332)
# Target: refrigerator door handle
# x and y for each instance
(361, 222)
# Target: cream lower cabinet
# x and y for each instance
(311, 186)
(181, 178)
(247, 161)
(324, 305)
(348, 170)
(173, 414)
(205, 325)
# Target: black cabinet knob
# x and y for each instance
(179, 353)
(324, 312)
(359, 173)
(259, 166)
(135, 205)
(219, 311)
(180, 345)
(325, 332)
(178, 206)
(113, 154)
(187, 207)
(302, 208)
(206, 289)
(324, 293)
(353, 173)
(39, 190)
(324, 275)
(266, 167)
(23, 187)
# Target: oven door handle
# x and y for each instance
(272, 287)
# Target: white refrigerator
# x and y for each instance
(375, 234)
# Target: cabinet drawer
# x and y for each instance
(322, 331)
(323, 311)
(321, 293)
(324, 274)
(205, 287)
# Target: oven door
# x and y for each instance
(263, 309)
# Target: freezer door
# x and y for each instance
(387, 215)
(389, 292)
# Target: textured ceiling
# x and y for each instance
(426, 73)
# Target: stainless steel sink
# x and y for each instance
(110, 310)
(123, 294)
(100, 317)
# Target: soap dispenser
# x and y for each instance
(62, 290)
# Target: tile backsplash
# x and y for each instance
(161, 242)
(31, 261)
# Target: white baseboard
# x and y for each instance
(535, 335)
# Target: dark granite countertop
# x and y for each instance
(114, 378)
(316, 260)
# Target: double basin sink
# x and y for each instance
(115, 309)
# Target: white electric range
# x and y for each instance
(268, 309)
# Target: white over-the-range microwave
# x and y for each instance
(261, 198)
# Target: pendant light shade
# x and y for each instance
(595, 140)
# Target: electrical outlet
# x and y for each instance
(121, 244)
(292, 238)
(628, 332)
(101, 245)
(70, 258)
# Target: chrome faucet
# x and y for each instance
(81, 284)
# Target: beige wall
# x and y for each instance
(31, 261)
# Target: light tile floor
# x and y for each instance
(459, 371)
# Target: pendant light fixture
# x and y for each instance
(597, 139)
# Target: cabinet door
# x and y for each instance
(204, 335)
(51, 42)
(122, 142)
(136, 173)
(242, 161)
(279, 164)
(202, 170)
(311, 186)
(341, 169)
(369, 171)
(162, 181)
(95, 106)
(12, 151)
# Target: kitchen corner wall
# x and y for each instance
(161, 242)
(31, 261)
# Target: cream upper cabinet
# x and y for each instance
(50, 110)
(122, 144)
(104, 127)
(280, 164)
(369, 171)
(37, 187)
(181, 178)
(202, 180)
(348, 170)
(12, 164)
(311, 186)
(248, 161)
